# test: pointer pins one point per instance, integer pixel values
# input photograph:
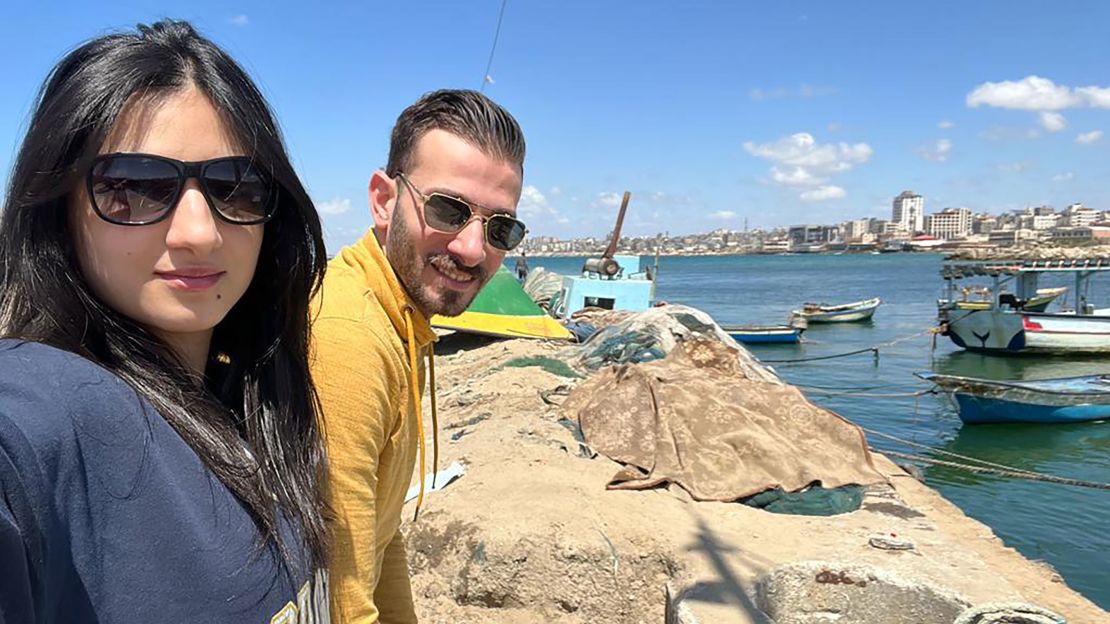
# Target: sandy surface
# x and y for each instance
(530, 534)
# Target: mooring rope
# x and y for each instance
(941, 451)
(1032, 476)
(873, 350)
(874, 395)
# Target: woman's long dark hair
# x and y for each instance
(257, 388)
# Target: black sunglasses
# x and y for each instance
(451, 214)
(140, 189)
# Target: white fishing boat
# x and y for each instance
(843, 313)
(1015, 322)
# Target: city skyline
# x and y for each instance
(788, 113)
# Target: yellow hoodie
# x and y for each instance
(368, 343)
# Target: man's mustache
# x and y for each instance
(446, 262)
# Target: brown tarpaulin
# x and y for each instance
(695, 419)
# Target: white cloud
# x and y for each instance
(1087, 138)
(609, 200)
(335, 206)
(1063, 177)
(801, 150)
(723, 215)
(945, 124)
(803, 91)
(1031, 93)
(239, 20)
(534, 205)
(795, 176)
(939, 153)
(1098, 97)
(835, 126)
(1015, 167)
(800, 161)
(1053, 122)
(823, 193)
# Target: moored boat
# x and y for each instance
(502, 309)
(1017, 322)
(748, 334)
(843, 313)
(1038, 303)
(611, 282)
(1058, 400)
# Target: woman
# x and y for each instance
(159, 452)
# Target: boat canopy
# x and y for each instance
(994, 268)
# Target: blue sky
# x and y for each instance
(710, 113)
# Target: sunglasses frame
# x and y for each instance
(186, 170)
(424, 197)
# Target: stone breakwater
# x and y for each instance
(530, 534)
(1034, 252)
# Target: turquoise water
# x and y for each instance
(1068, 527)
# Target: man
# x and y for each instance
(444, 217)
(522, 267)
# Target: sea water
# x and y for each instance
(1065, 526)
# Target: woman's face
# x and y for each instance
(178, 277)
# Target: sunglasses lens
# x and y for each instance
(445, 214)
(131, 190)
(505, 232)
(239, 191)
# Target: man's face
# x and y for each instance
(441, 271)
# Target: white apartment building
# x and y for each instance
(909, 212)
(1078, 215)
(949, 223)
(1037, 222)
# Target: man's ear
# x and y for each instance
(383, 192)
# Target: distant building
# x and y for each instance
(800, 235)
(1078, 215)
(854, 231)
(781, 245)
(983, 224)
(1081, 233)
(949, 223)
(909, 212)
(1009, 238)
(1038, 222)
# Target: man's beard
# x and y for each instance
(409, 267)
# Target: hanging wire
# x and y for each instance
(496, 35)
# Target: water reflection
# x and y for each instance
(967, 364)
(1032, 447)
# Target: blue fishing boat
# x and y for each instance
(1059, 400)
(781, 334)
(611, 282)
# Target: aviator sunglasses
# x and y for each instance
(451, 214)
(140, 189)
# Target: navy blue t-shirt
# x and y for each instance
(106, 515)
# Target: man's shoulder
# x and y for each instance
(349, 318)
(347, 295)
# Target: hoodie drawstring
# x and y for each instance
(414, 392)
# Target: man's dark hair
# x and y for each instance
(257, 387)
(467, 114)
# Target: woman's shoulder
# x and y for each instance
(47, 393)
